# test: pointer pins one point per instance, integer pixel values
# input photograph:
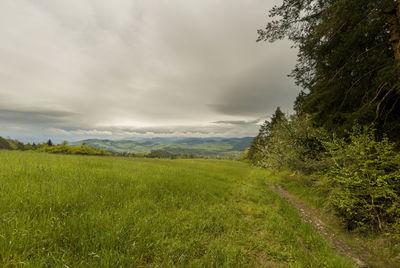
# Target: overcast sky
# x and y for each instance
(126, 68)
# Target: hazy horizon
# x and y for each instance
(59, 140)
(117, 69)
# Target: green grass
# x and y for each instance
(377, 249)
(83, 211)
(306, 188)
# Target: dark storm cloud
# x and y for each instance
(256, 92)
(155, 66)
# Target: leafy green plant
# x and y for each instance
(365, 180)
(294, 145)
(67, 149)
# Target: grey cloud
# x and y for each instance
(256, 92)
(45, 117)
(214, 130)
(135, 63)
(238, 122)
(59, 134)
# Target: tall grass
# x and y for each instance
(58, 210)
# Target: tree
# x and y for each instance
(19, 145)
(347, 62)
(364, 180)
(263, 135)
(4, 144)
(160, 153)
(393, 14)
(49, 143)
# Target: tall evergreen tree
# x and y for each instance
(263, 135)
(348, 60)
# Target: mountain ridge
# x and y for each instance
(210, 146)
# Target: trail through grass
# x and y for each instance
(85, 211)
(375, 249)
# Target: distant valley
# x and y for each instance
(209, 147)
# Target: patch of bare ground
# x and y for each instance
(264, 262)
(310, 216)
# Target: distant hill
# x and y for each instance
(215, 147)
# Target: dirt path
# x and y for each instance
(309, 215)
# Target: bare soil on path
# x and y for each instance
(309, 215)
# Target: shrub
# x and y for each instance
(294, 145)
(4, 144)
(66, 149)
(365, 180)
(160, 153)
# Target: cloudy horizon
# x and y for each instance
(139, 68)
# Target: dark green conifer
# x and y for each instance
(347, 61)
(49, 143)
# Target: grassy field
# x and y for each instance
(80, 211)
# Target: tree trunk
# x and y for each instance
(394, 21)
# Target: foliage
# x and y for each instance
(363, 171)
(378, 250)
(264, 134)
(84, 149)
(365, 180)
(165, 154)
(292, 144)
(160, 154)
(5, 144)
(9, 144)
(245, 156)
(348, 66)
(346, 63)
(66, 149)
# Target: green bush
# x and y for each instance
(160, 153)
(361, 172)
(294, 145)
(66, 149)
(10, 144)
(365, 180)
(4, 144)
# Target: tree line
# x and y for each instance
(84, 149)
(345, 129)
(49, 147)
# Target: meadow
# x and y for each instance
(91, 211)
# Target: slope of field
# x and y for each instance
(70, 211)
(222, 147)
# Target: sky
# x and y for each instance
(72, 70)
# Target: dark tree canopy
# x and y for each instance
(347, 60)
(49, 143)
